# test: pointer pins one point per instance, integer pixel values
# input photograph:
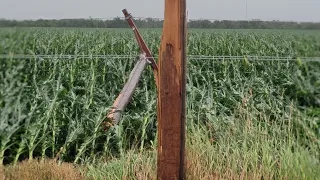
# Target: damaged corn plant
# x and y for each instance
(242, 114)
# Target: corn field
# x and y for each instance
(210, 43)
(53, 107)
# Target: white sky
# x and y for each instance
(289, 10)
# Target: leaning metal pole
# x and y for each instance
(127, 91)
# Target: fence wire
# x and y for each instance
(189, 57)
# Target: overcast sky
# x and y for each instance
(292, 10)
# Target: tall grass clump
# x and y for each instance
(47, 169)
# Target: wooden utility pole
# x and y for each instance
(172, 92)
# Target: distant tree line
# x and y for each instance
(155, 23)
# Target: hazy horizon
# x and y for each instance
(267, 10)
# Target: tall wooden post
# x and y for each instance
(172, 92)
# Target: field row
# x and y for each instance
(122, 42)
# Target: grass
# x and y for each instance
(244, 150)
(245, 119)
(39, 170)
(235, 148)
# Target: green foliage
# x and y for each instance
(122, 42)
(54, 107)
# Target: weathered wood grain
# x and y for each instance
(172, 92)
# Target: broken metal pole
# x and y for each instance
(127, 91)
(143, 47)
